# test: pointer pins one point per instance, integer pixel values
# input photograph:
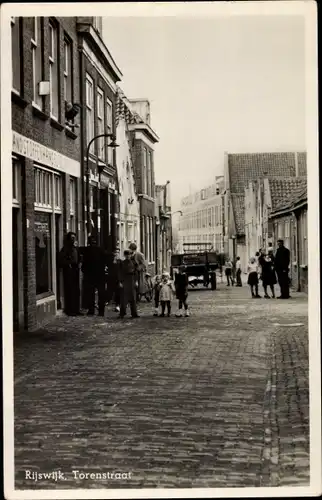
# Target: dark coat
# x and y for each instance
(94, 263)
(268, 272)
(282, 259)
(181, 284)
(127, 278)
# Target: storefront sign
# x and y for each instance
(45, 156)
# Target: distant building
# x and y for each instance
(242, 215)
(142, 140)
(164, 227)
(202, 217)
(129, 212)
(289, 222)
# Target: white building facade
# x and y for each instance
(202, 217)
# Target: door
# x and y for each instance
(15, 269)
(59, 244)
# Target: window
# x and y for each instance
(58, 192)
(72, 203)
(16, 179)
(148, 173)
(16, 54)
(68, 71)
(89, 110)
(100, 123)
(151, 174)
(144, 175)
(53, 71)
(42, 232)
(37, 61)
(43, 189)
(109, 116)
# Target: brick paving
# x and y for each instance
(219, 399)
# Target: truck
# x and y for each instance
(200, 262)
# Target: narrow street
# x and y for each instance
(219, 399)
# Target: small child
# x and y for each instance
(253, 277)
(166, 291)
(181, 286)
(156, 290)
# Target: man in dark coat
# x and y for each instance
(127, 278)
(113, 289)
(94, 263)
(282, 262)
(68, 260)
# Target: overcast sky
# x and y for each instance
(223, 84)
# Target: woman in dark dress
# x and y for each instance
(268, 274)
(69, 262)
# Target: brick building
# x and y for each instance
(46, 166)
(289, 223)
(143, 139)
(98, 76)
(240, 171)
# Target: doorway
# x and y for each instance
(15, 269)
(58, 244)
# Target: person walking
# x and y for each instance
(268, 275)
(181, 287)
(282, 262)
(140, 263)
(93, 268)
(166, 292)
(253, 277)
(127, 279)
(228, 272)
(238, 272)
(68, 260)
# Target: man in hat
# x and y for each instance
(282, 262)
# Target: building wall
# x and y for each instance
(285, 227)
(202, 219)
(43, 150)
(129, 215)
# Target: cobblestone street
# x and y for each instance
(220, 399)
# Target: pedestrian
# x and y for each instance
(68, 260)
(228, 272)
(282, 262)
(253, 277)
(156, 294)
(166, 292)
(93, 267)
(268, 275)
(127, 279)
(181, 287)
(113, 289)
(140, 263)
(238, 272)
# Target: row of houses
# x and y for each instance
(82, 159)
(262, 198)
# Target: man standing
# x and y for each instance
(282, 262)
(94, 263)
(127, 278)
(139, 261)
(238, 272)
(113, 290)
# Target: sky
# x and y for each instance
(234, 84)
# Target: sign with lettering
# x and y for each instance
(45, 156)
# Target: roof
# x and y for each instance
(284, 189)
(296, 197)
(246, 167)
(238, 205)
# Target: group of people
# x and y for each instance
(264, 266)
(113, 279)
(166, 289)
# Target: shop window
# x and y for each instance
(53, 71)
(42, 234)
(58, 192)
(43, 188)
(16, 198)
(16, 53)
(37, 61)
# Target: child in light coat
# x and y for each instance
(167, 291)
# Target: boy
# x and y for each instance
(181, 285)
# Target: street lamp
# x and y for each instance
(100, 169)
